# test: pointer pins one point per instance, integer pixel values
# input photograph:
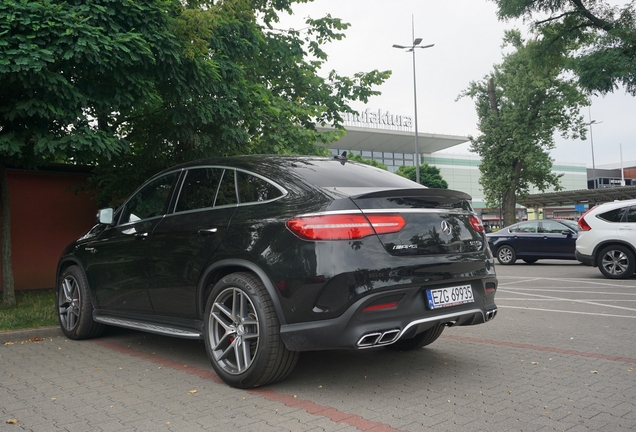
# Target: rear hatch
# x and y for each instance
(436, 221)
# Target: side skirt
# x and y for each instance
(186, 329)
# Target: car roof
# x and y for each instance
(321, 172)
(563, 221)
(613, 204)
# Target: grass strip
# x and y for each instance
(32, 309)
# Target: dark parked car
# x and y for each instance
(267, 256)
(534, 240)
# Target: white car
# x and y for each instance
(607, 239)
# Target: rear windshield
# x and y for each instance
(333, 173)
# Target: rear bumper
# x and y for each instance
(359, 329)
(585, 259)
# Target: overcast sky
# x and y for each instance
(467, 38)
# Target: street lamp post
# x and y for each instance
(595, 183)
(411, 48)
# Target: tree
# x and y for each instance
(595, 40)
(519, 107)
(429, 175)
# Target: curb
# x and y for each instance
(26, 334)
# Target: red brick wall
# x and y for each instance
(46, 215)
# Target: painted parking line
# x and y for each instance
(310, 407)
(606, 283)
(520, 280)
(566, 311)
(585, 302)
(613, 300)
(572, 290)
(323, 411)
(541, 348)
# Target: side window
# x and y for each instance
(255, 189)
(631, 215)
(227, 190)
(552, 227)
(150, 201)
(528, 227)
(199, 189)
(615, 215)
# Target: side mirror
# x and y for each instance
(567, 233)
(105, 216)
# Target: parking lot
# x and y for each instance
(560, 355)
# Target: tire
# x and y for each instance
(506, 255)
(74, 306)
(420, 340)
(530, 261)
(242, 334)
(616, 262)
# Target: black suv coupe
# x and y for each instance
(267, 256)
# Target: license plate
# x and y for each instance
(451, 296)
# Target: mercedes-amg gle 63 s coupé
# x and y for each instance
(263, 257)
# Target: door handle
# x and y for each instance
(141, 236)
(207, 232)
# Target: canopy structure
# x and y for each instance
(395, 141)
(584, 196)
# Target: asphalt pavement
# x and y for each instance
(559, 356)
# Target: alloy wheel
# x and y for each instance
(233, 331)
(506, 255)
(69, 303)
(615, 262)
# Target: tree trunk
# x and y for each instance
(509, 198)
(508, 205)
(8, 291)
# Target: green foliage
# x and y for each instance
(72, 74)
(520, 106)
(594, 39)
(430, 175)
(358, 158)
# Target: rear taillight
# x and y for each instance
(475, 222)
(490, 287)
(583, 223)
(344, 226)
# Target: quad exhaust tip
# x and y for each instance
(381, 338)
(378, 339)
